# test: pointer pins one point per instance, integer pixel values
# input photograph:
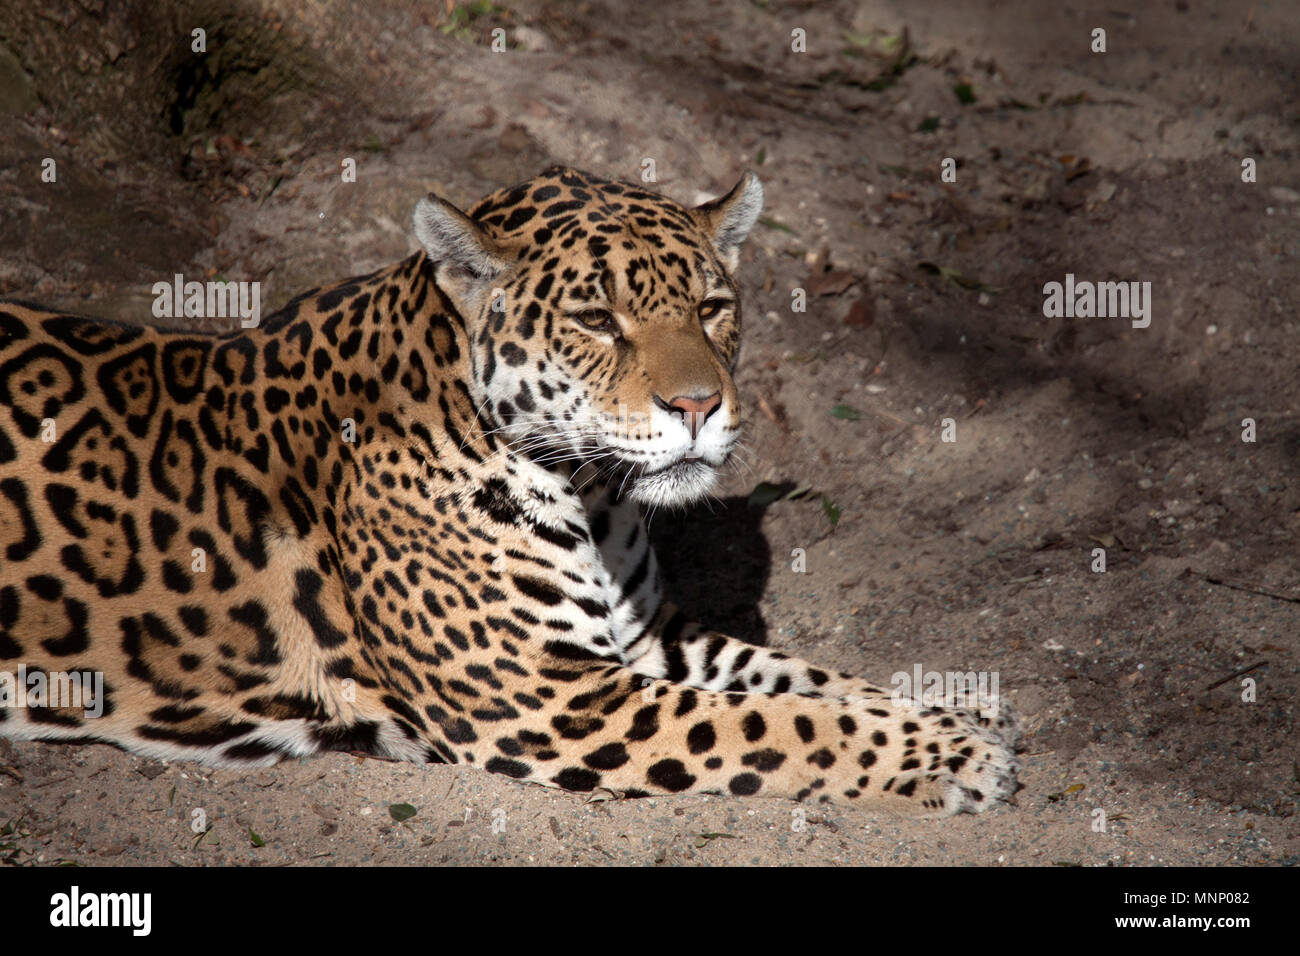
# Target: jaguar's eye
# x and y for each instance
(597, 320)
(712, 308)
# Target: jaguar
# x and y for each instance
(404, 516)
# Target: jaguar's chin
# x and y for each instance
(681, 483)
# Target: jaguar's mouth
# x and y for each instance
(680, 483)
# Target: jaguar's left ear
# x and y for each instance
(467, 261)
(728, 220)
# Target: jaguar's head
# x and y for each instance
(605, 323)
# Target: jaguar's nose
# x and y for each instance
(694, 411)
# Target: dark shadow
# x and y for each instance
(716, 565)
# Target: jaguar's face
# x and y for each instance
(606, 326)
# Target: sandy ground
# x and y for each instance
(925, 303)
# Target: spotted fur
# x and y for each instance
(466, 581)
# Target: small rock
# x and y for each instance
(1103, 193)
(1030, 700)
(531, 40)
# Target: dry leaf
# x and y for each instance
(830, 283)
(860, 313)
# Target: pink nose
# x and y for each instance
(694, 411)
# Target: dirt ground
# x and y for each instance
(1162, 692)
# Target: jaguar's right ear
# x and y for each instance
(466, 259)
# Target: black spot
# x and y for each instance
(362, 736)
(163, 526)
(686, 703)
(306, 600)
(517, 218)
(754, 726)
(671, 775)
(804, 728)
(174, 713)
(77, 638)
(495, 500)
(576, 778)
(701, 738)
(16, 491)
(645, 723)
(765, 760)
(250, 750)
(62, 500)
(538, 590)
(45, 587)
(176, 578)
(513, 355)
(210, 736)
(609, 757)
(576, 728)
(822, 758)
(459, 731)
(511, 768)
(745, 784)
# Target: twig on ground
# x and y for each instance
(1243, 671)
(1239, 586)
